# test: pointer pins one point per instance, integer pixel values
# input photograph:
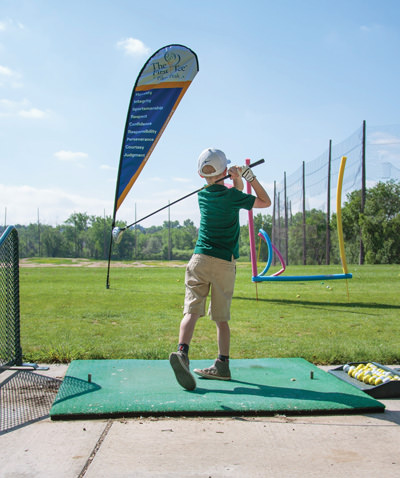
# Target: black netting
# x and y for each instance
(312, 187)
(382, 164)
(25, 397)
(10, 345)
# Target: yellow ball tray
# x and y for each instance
(384, 390)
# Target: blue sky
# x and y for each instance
(277, 80)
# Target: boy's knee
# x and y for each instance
(188, 317)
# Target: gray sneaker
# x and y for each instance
(218, 371)
(180, 365)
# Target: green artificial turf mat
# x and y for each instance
(258, 386)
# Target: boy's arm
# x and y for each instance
(262, 198)
(236, 178)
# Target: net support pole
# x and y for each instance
(286, 221)
(304, 216)
(273, 221)
(328, 208)
(363, 186)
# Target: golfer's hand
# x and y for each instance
(247, 174)
(234, 172)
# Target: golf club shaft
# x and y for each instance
(260, 161)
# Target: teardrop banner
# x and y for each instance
(159, 88)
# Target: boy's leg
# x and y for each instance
(180, 360)
(223, 338)
(188, 323)
(223, 284)
(220, 369)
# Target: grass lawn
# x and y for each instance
(67, 313)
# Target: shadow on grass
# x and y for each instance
(323, 305)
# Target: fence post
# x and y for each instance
(10, 337)
(274, 223)
(169, 233)
(363, 188)
(286, 222)
(279, 221)
(304, 216)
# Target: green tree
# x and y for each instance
(380, 224)
(315, 238)
(52, 241)
(191, 231)
(351, 229)
(153, 246)
(28, 240)
(98, 237)
(296, 239)
(80, 223)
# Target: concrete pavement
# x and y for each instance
(280, 446)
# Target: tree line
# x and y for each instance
(378, 227)
(86, 236)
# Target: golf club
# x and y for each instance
(118, 231)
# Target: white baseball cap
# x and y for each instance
(215, 158)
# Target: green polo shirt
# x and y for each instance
(219, 223)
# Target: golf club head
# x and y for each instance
(117, 234)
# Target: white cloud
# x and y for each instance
(182, 180)
(134, 47)
(10, 108)
(5, 71)
(384, 151)
(33, 113)
(364, 28)
(8, 77)
(379, 137)
(9, 23)
(70, 155)
(55, 205)
(106, 167)
(4, 103)
(370, 28)
(23, 109)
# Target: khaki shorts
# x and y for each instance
(202, 273)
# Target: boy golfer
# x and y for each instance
(212, 265)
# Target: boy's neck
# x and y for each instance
(216, 179)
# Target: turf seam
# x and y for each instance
(96, 449)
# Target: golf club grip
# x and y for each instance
(260, 161)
